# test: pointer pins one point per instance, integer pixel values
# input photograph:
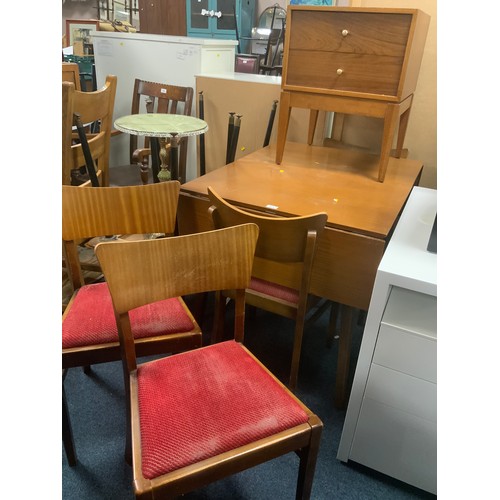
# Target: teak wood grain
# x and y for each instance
(352, 61)
(361, 215)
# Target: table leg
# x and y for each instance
(390, 120)
(403, 125)
(344, 358)
(174, 158)
(164, 173)
(313, 119)
(283, 121)
(155, 156)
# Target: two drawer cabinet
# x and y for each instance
(353, 61)
(390, 424)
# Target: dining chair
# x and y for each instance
(93, 108)
(71, 73)
(202, 415)
(282, 268)
(152, 97)
(89, 331)
(272, 59)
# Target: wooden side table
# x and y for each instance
(353, 61)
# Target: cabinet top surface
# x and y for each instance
(186, 40)
(353, 9)
(406, 255)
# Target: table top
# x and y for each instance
(161, 125)
(310, 179)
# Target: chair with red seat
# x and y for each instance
(283, 264)
(208, 413)
(89, 331)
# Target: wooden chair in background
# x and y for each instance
(202, 415)
(89, 332)
(158, 98)
(93, 107)
(71, 73)
(282, 268)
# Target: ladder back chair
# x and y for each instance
(89, 331)
(153, 97)
(93, 108)
(282, 267)
(199, 416)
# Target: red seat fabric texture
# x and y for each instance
(274, 290)
(91, 319)
(198, 404)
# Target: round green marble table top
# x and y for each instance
(161, 125)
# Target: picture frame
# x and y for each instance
(75, 25)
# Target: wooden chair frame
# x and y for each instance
(89, 212)
(284, 256)
(163, 277)
(92, 107)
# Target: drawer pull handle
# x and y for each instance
(345, 32)
(340, 71)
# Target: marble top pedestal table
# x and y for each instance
(162, 126)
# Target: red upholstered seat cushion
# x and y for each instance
(274, 290)
(201, 403)
(91, 319)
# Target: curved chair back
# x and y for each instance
(281, 273)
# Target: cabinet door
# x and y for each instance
(197, 19)
(162, 17)
(226, 23)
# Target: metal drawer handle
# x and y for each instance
(345, 32)
(340, 71)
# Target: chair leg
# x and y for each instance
(219, 315)
(332, 324)
(67, 433)
(308, 458)
(297, 348)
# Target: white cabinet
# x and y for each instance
(391, 418)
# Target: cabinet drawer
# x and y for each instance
(359, 72)
(351, 32)
(401, 391)
(396, 443)
(407, 352)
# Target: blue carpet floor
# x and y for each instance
(97, 409)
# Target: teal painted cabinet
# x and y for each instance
(215, 19)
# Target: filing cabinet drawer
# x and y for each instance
(407, 352)
(403, 446)
(402, 391)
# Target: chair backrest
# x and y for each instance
(71, 73)
(142, 272)
(89, 212)
(162, 98)
(285, 249)
(247, 63)
(93, 107)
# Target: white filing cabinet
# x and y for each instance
(390, 424)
